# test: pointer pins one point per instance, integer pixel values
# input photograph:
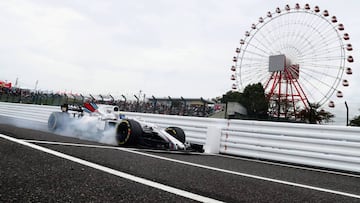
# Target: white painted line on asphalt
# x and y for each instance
(220, 155)
(143, 181)
(289, 166)
(113, 147)
(70, 144)
(245, 175)
(214, 169)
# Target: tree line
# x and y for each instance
(254, 100)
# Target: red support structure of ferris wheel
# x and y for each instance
(287, 90)
(295, 83)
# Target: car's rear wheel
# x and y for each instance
(127, 132)
(177, 133)
(57, 120)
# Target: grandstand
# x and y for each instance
(171, 106)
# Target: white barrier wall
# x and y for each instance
(336, 147)
(326, 146)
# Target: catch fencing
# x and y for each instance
(336, 147)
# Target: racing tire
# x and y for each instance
(177, 133)
(57, 120)
(127, 132)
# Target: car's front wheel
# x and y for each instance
(177, 133)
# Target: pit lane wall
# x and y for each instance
(336, 147)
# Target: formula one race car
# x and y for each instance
(128, 132)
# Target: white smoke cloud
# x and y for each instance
(89, 128)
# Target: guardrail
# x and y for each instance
(336, 147)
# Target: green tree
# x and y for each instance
(254, 100)
(231, 96)
(355, 121)
(316, 115)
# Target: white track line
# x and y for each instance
(143, 181)
(216, 169)
(113, 147)
(70, 144)
(202, 154)
(289, 166)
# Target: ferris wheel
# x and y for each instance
(300, 55)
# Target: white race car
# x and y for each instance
(128, 132)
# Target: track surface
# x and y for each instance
(28, 174)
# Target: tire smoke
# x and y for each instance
(87, 128)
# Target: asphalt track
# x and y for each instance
(38, 166)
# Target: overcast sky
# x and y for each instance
(161, 47)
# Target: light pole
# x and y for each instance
(347, 114)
